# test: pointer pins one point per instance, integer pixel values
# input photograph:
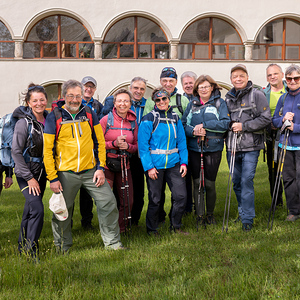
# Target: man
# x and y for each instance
(85, 200)
(188, 79)
(168, 80)
(8, 177)
(276, 87)
(179, 103)
(250, 114)
(137, 88)
(74, 157)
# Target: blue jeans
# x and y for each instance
(243, 175)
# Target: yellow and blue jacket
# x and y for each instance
(77, 147)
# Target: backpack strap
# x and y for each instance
(178, 103)
(58, 120)
(110, 124)
(89, 115)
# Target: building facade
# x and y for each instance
(114, 41)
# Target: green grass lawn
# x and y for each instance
(207, 264)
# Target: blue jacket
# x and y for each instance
(137, 107)
(168, 135)
(214, 119)
(94, 105)
(291, 104)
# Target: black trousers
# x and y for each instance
(273, 169)
(178, 189)
(33, 217)
(291, 181)
(137, 174)
(86, 207)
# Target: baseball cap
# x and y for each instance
(87, 79)
(239, 67)
(58, 206)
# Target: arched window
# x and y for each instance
(58, 37)
(7, 45)
(210, 38)
(135, 37)
(53, 91)
(279, 39)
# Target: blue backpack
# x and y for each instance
(7, 126)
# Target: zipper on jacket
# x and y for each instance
(72, 131)
(78, 145)
(60, 160)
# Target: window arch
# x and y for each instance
(279, 39)
(135, 37)
(210, 38)
(58, 36)
(7, 45)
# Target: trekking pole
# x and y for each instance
(127, 190)
(279, 171)
(201, 183)
(123, 192)
(229, 184)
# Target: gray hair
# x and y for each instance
(137, 79)
(69, 85)
(289, 70)
(274, 65)
(122, 91)
(188, 74)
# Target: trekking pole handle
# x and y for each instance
(285, 125)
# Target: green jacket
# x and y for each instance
(184, 103)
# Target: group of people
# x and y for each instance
(104, 151)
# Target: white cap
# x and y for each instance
(57, 204)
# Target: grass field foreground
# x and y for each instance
(206, 264)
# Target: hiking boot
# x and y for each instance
(292, 218)
(201, 221)
(247, 226)
(180, 231)
(210, 220)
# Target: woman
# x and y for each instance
(27, 152)
(288, 108)
(163, 152)
(120, 133)
(206, 118)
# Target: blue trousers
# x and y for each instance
(243, 175)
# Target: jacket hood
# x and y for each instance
(25, 112)
(236, 94)
(130, 115)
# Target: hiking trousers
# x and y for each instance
(105, 201)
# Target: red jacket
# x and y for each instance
(119, 123)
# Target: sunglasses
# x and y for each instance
(289, 79)
(168, 69)
(159, 99)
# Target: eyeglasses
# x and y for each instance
(201, 88)
(92, 87)
(71, 97)
(159, 99)
(123, 101)
(39, 87)
(289, 79)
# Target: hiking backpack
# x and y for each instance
(7, 127)
(178, 103)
